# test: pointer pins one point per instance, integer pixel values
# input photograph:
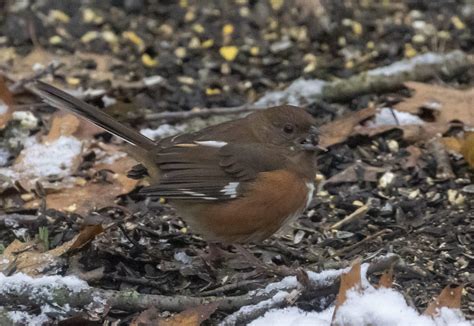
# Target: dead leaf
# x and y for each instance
(29, 258)
(464, 146)
(189, 317)
(22, 66)
(88, 233)
(349, 281)
(442, 104)
(338, 130)
(6, 103)
(386, 280)
(450, 297)
(411, 133)
(358, 171)
(413, 158)
(62, 125)
(81, 199)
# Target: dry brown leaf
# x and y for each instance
(81, 199)
(349, 281)
(443, 103)
(6, 103)
(450, 297)
(62, 125)
(386, 280)
(358, 171)
(338, 130)
(412, 160)
(22, 65)
(148, 317)
(29, 258)
(464, 146)
(411, 133)
(88, 233)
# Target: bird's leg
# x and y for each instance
(260, 265)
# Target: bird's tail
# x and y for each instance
(62, 100)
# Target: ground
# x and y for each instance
(230, 53)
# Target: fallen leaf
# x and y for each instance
(412, 160)
(81, 199)
(464, 146)
(191, 316)
(62, 125)
(350, 281)
(6, 103)
(438, 103)
(340, 129)
(358, 171)
(386, 280)
(87, 233)
(450, 297)
(29, 258)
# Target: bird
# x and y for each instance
(236, 182)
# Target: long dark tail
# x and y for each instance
(62, 100)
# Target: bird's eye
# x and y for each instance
(288, 128)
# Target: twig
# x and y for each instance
(200, 113)
(230, 287)
(134, 301)
(357, 214)
(369, 238)
(49, 69)
(444, 170)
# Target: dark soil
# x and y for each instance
(412, 217)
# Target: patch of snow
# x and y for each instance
(294, 316)
(162, 131)
(3, 108)
(24, 318)
(299, 92)
(89, 92)
(4, 155)
(108, 100)
(111, 158)
(153, 80)
(392, 117)
(373, 306)
(408, 64)
(182, 257)
(26, 118)
(43, 160)
(40, 285)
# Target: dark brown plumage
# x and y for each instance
(238, 181)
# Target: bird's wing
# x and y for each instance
(212, 170)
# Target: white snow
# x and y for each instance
(376, 307)
(162, 131)
(3, 108)
(211, 143)
(38, 286)
(55, 158)
(294, 316)
(297, 93)
(385, 117)
(408, 64)
(27, 119)
(4, 155)
(108, 100)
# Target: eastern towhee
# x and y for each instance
(235, 182)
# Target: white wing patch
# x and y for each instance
(230, 189)
(197, 194)
(310, 187)
(211, 143)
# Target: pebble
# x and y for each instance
(386, 180)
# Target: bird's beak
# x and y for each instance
(311, 142)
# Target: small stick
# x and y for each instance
(357, 214)
(200, 113)
(444, 171)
